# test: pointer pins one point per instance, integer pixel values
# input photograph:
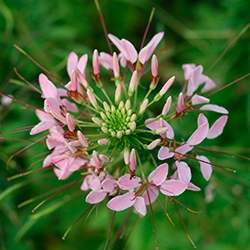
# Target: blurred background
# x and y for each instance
(195, 32)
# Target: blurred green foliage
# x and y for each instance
(197, 32)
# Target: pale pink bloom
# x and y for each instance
(180, 183)
(47, 121)
(160, 125)
(126, 156)
(75, 64)
(153, 144)
(76, 71)
(97, 160)
(214, 108)
(218, 127)
(95, 63)
(129, 52)
(196, 78)
(101, 186)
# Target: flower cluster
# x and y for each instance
(125, 152)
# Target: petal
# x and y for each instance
(205, 166)
(188, 70)
(218, 127)
(109, 185)
(164, 153)
(153, 144)
(128, 182)
(121, 202)
(41, 127)
(184, 172)
(129, 51)
(49, 90)
(95, 197)
(159, 175)
(140, 206)
(106, 60)
(193, 187)
(200, 133)
(173, 187)
(151, 194)
(82, 63)
(198, 99)
(183, 149)
(148, 50)
(214, 108)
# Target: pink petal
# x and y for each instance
(200, 133)
(184, 172)
(173, 187)
(126, 182)
(214, 108)
(188, 70)
(159, 175)
(70, 122)
(49, 90)
(95, 197)
(180, 106)
(82, 63)
(72, 63)
(151, 194)
(193, 187)
(205, 166)
(109, 185)
(164, 153)
(198, 99)
(140, 206)
(183, 149)
(154, 66)
(209, 85)
(106, 60)
(40, 127)
(148, 50)
(153, 144)
(218, 127)
(167, 106)
(129, 51)
(121, 202)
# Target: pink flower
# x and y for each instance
(129, 52)
(101, 185)
(76, 72)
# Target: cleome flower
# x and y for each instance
(109, 133)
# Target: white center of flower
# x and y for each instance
(117, 121)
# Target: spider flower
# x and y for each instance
(108, 132)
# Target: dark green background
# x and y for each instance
(195, 31)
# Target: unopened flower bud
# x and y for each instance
(70, 122)
(95, 63)
(116, 69)
(126, 156)
(154, 66)
(92, 98)
(118, 92)
(167, 106)
(132, 160)
(143, 106)
(133, 83)
(166, 86)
